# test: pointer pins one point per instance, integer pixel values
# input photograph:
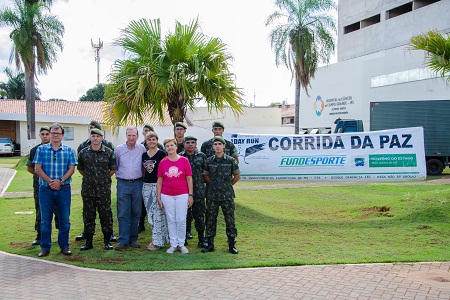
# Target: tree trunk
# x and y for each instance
(30, 104)
(297, 106)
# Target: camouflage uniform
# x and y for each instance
(198, 165)
(220, 193)
(87, 143)
(230, 149)
(37, 223)
(96, 187)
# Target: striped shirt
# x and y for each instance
(55, 163)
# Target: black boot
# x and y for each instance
(81, 237)
(88, 245)
(231, 246)
(201, 240)
(112, 238)
(37, 241)
(210, 246)
(107, 240)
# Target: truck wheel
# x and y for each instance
(434, 167)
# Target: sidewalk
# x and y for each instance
(31, 278)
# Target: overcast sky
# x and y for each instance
(239, 23)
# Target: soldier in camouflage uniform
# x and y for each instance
(87, 143)
(197, 160)
(44, 134)
(97, 164)
(221, 173)
(230, 149)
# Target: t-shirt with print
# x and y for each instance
(174, 176)
(150, 165)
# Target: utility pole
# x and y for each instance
(97, 48)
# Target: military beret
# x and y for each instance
(219, 139)
(44, 128)
(190, 138)
(149, 127)
(218, 124)
(97, 131)
(95, 124)
(179, 124)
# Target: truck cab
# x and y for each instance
(348, 125)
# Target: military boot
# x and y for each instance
(201, 240)
(231, 246)
(81, 237)
(107, 240)
(88, 245)
(37, 241)
(210, 246)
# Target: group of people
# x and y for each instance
(166, 184)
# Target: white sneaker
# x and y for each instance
(171, 250)
(184, 250)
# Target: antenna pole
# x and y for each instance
(97, 48)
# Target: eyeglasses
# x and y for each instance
(55, 133)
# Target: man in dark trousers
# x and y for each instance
(198, 165)
(97, 163)
(221, 173)
(87, 143)
(230, 149)
(44, 134)
(54, 164)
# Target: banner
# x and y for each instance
(396, 154)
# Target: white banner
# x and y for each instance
(396, 154)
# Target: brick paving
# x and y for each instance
(26, 278)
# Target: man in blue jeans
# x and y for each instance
(129, 189)
(54, 164)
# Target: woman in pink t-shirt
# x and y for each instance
(174, 192)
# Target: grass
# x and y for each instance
(277, 227)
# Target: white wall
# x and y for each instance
(352, 78)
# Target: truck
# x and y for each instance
(432, 115)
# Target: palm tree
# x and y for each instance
(303, 37)
(172, 73)
(37, 36)
(15, 86)
(437, 51)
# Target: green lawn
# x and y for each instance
(277, 227)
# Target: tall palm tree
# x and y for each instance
(172, 73)
(37, 36)
(303, 37)
(437, 51)
(15, 86)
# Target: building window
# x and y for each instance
(68, 134)
(400, 10)
(352, 27)
(370, 21)
(288, 120)
(402, 77)
(422, 3)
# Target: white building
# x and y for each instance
(75, 116)
(374, 62)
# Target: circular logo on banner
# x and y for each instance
(319, 105)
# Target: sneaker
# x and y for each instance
(152, 247)
(184, 250)
(121, 247)
(135, 245)
(171, 250)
